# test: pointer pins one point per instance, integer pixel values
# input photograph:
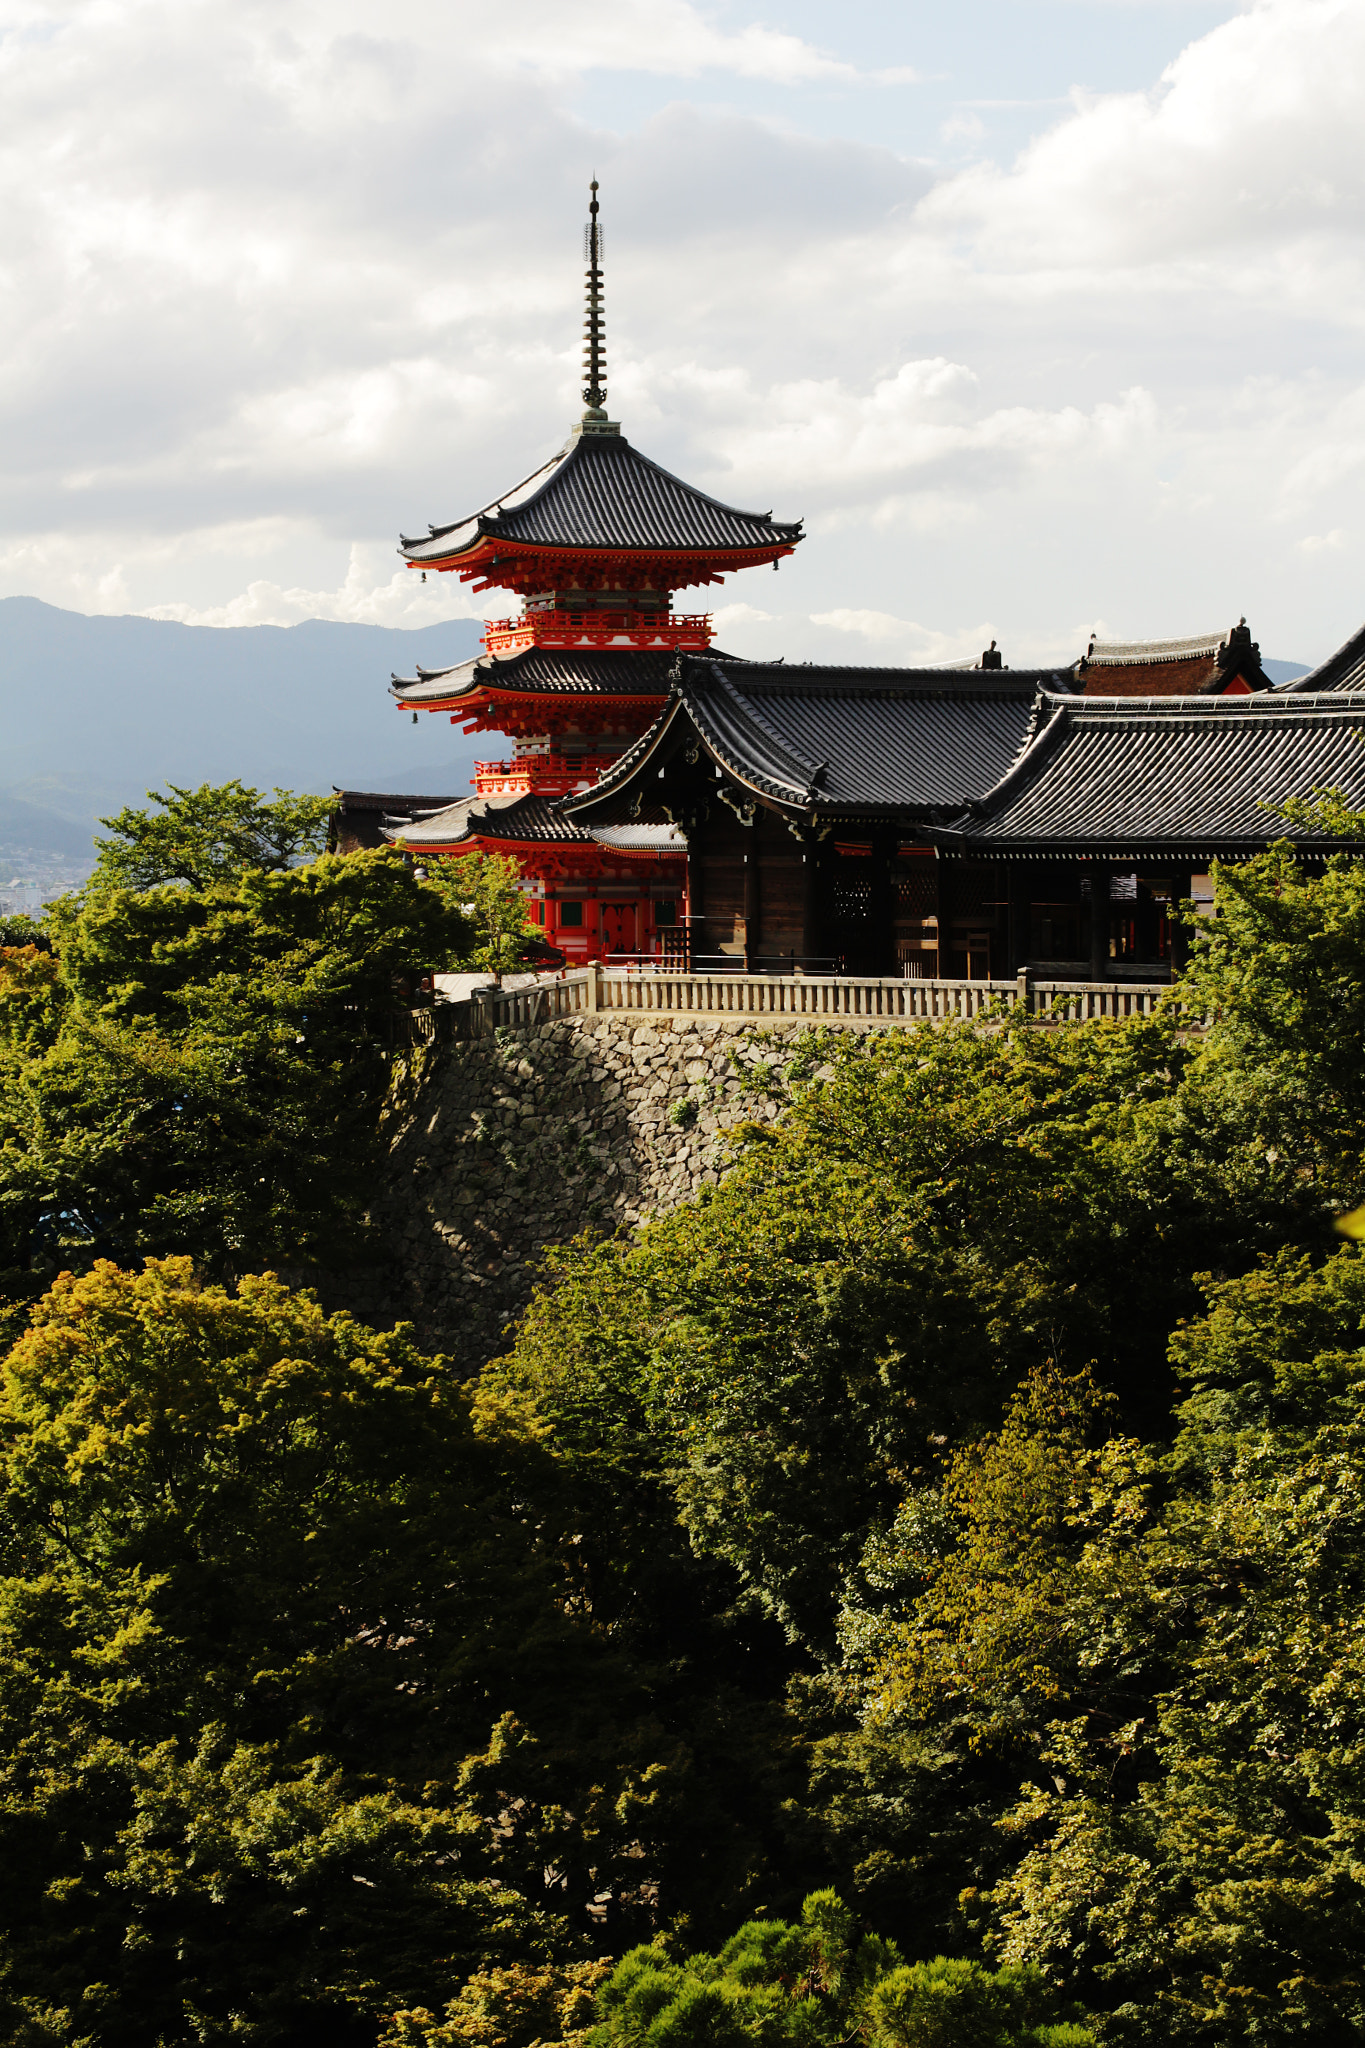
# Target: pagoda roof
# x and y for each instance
(1342, 671)
(541, 672)
(1202, 664)
(846, 741)
(519, 820)
(1202, 777)
(600, 493)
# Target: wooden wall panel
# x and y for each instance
(782, 888)
(722, 857)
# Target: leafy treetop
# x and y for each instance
(207, 835)
(817, 1984)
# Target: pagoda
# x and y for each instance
(595, 544)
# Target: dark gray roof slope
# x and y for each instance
(599, 492)
(544, 672)
(842, 739)
(513, 818)
(1344, 670)
(1193, 775)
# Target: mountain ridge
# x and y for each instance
(101, 707)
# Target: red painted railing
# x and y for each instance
(597, 630)
(550, 774)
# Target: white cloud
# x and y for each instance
(1249, 141)
(361, 600)
(280, 281)
(889, 639)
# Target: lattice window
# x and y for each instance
(853, 899)
(973, 891)
(917, 890)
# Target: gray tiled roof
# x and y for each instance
(844, 739)
(543, 672)
(514, 818)
(1123, 653)
(599, 492)
(1197, 776)
(1344, 670)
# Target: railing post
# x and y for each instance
(1022, 982)
(594, 984)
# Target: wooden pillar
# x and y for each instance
(947, 902)
(1181, 885)
(1100, 969)
(751, 904)
(695, 932)
(1020, 914)
(883, 905)
(812, 921)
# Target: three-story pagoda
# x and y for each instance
(596, 544)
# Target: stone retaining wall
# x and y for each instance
(509, 1145)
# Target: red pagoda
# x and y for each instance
(595, 544)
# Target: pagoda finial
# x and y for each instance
(594, 327)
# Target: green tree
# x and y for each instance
(304, 1720)
(1282, 971)
(515, 2007)
(816, 1981)
(1119, 1693)
(213, 834)
(207, 1068)
(484, 897)
(262, 1582)
(1221, 1899)
(935, 1215)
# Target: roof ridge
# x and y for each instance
(1137, 653)
(1349, 655)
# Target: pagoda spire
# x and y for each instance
(595, 323)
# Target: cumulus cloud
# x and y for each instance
(1246, 143)
(277, 282)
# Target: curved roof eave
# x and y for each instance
(618, 489)
(1346, 662)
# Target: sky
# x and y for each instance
(1045, 315)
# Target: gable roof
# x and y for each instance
(599, 492)
(1202, 664)
(1194, 777)
(843, 740)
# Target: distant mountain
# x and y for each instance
(95, 711)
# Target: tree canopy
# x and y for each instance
(950, 1520)
(213, 834)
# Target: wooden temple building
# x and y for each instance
(668, 803)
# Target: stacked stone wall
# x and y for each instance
(503, 1148)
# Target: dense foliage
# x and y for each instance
(490, 914)
(952, 1520)
(203, 1069)
(210, 834)
(194, 1050)
(819, 1982)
